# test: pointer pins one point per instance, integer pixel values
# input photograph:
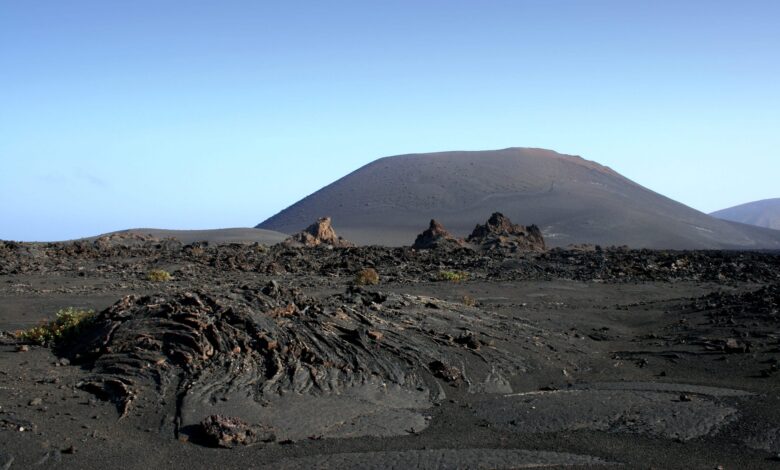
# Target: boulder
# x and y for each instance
(228, 432)
(436, 236)
(317, 234)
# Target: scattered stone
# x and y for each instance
(375, 335)
(447, 373)
(228, 432)
(733, 346)
(36, 402)
(469, 340)
(10, 421)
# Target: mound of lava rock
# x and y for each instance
(437, 237)
(497, 234)
(500, 233)
(242, 353)
(317, 234)
(608, 264)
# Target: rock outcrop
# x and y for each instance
(500, 232)
(228, 432)
(121, 239)
(317, 234)
(241, 366)
(436, 236)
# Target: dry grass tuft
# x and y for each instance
(68, 323)
(367, 277)
(453, 276)
(158, 275)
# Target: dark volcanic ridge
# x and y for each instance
(406, 265)
(572, 200)
(215, 236)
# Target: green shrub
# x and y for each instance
(68, 323)
(367, 277)
(453, 276)
(158, 275)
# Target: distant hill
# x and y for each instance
(572, 200)
(215, 236)
(765, 213)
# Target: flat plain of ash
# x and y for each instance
(486, 352)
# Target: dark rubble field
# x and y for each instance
(255, 357)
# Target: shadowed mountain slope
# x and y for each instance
(765, 213)
(572, 200)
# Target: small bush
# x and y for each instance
(158, 275)
(68, 323)
(453, 276)
(367, 277)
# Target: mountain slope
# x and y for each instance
(765, 213)
(571, 199)
(216, 236)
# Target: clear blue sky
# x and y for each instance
(194, 114)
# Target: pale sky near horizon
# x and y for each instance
(194, 114)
